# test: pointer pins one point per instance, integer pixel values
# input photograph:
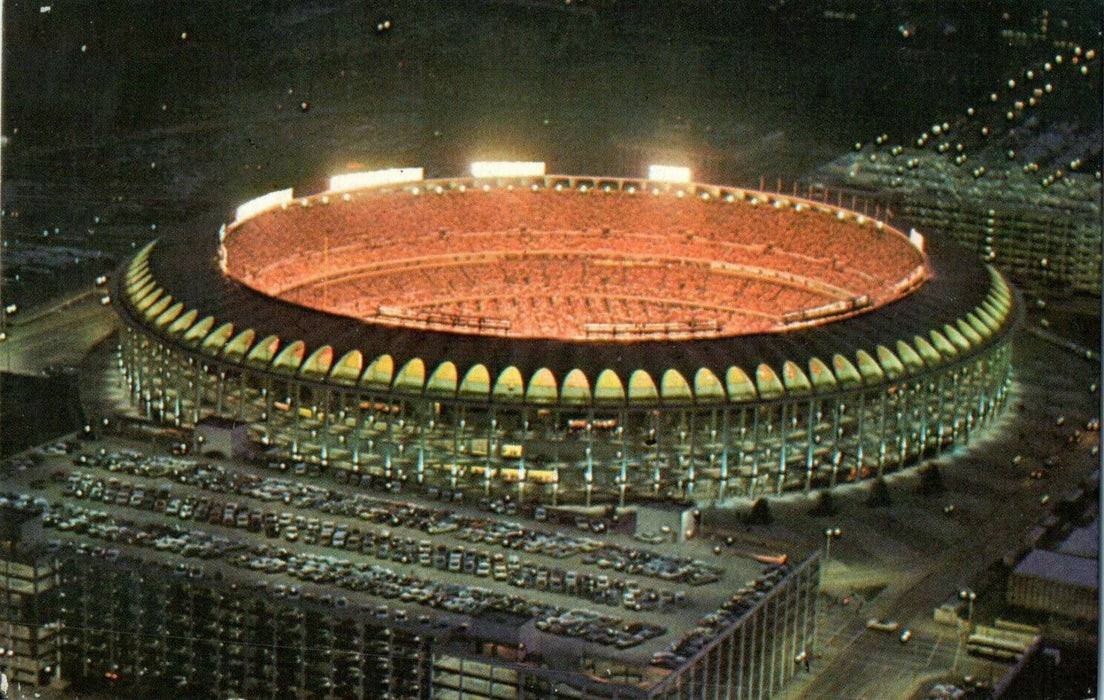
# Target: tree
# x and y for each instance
(879, 494)
(825, 504)
(931, 481)
(760, 513)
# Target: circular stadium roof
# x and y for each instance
(176, 288)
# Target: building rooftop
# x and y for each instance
(1083, 542)
(1062, 568)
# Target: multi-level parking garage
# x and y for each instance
(1014, 177)
(571, 339)
(171, 577)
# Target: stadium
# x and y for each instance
(570, 340)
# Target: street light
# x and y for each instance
(969, 596)
(830, 534)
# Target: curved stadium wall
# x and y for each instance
(406, 402)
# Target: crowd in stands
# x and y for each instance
(554, 262)
(560, 295)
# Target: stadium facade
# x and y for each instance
(799, 344)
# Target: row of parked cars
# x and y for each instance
(510, 535)
(77, 519)
(630, 560)
(162, 499)
(599, 629)
(383, 545)
(741, 603)
(464, 599)
(209, 477)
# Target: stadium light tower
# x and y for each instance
(507, 168)
(669, 173)
(344, 182)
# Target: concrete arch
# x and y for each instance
(608, 387)
(442, 381)
(155, 309)
(476, 382)
(956, 338)
(144, 292)
(200, 330)
(768, 382)
(991, 324)
(263, 352)
(318, 364)
(909, 357)
(576, 388)
(148, 297)
(707, 387)
(642, 387)
(509, 385)
(944, 346)
(972, 321)
(542, 387)
(138, 284)
(821, 375)
(412, 376)
(379, 373)
(889, 362)
(739, 385)
(927, 352)
(673, 387)
(996, 315)
(794, 380)
(239, 344)
(869, 369)
(347, 370)
(169, 315)
(846, 374)
(182, 324)
(290, 358)
(216, 340)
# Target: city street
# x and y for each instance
(922, 556)
(59, 337)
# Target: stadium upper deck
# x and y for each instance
(573, 263)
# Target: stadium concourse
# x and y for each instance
(571, 339)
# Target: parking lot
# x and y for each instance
(414, 561)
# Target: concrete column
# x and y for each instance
(883, 406)
(810, 436)
(725, 446)
(783, 446)
(859, 436)
(753, 486)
